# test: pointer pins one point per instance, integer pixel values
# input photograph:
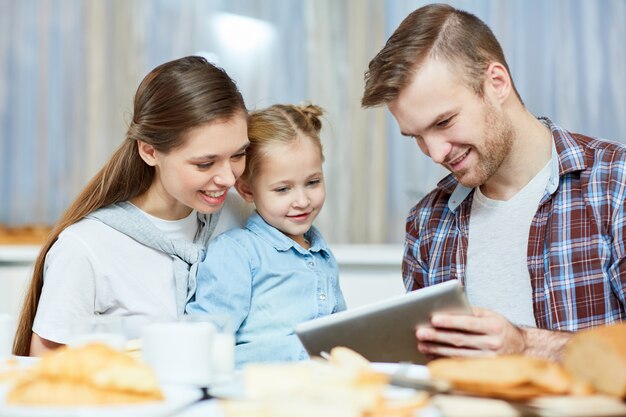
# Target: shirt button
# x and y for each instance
(322, 297)
(311, 264)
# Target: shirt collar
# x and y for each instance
(571, 155)
(257, 225)
(567, 156)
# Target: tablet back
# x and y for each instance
(384, 331)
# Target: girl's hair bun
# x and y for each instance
(312, 113)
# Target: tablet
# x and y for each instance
(384, 331)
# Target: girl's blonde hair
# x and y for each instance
(172, 99)
(280, 124)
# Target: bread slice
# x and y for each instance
(513, 377)
(86, 375)
(598, 356)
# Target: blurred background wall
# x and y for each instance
(69, 70)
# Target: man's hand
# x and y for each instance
(486, 333)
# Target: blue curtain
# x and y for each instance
(69, 69)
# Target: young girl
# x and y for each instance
(277, 271)
(131, 241)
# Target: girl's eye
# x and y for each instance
(281, 189)
(239, 156)
(314, 182)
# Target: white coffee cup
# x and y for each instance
(223, 346)
(180, 352)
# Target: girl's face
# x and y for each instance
(198, 174)
(288, 189)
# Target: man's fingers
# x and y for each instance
(455, 339)
(482, 312)
(451, 338)
(485, 331)
(469, 324)
(439, 350)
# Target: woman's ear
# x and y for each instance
(147, 153)
(244, 190)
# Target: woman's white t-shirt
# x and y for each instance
(94, 269)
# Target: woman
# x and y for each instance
(130, 242)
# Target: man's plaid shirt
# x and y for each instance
(577, 242)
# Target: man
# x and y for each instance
(531, 219)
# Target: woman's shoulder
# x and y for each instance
(85, 226)
(95, 235)
(88, 230)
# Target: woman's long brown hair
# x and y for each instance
(172, 99)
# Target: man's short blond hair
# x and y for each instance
(433, 31)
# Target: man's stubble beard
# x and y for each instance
(491, 154)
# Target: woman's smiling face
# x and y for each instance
(199, 174)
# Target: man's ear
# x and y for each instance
(147, 153)
(244, 190)
(498, 82)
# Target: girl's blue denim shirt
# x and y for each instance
(267, 283)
